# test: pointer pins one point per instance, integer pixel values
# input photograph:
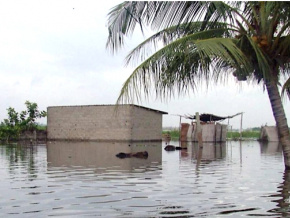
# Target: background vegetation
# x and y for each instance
(253, 133)
(11, 128)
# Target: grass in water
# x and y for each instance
(230, 135)
(245, 134)
(173, 133)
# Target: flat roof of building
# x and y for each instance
(113, 105)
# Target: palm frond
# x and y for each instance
(176, 32)
(123, 18)
(181, 65)
(283, 49)
(201, 41)
(286, 88)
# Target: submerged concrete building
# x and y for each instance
(269, 133)
(211, 130)
(104, 123)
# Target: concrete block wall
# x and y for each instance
(269, 133)
(221, 132)
(146, 125)
(211, 132)
(218, 132)
(191, 132)
(184, 131)
(224, 133)
(208, 132)
(103, 123)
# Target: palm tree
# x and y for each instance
(206, 41)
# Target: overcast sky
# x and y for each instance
(54, 53)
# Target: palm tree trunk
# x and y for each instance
(280, 118)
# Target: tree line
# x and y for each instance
(18, 122)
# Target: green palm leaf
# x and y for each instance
(206, 41)
(184, 63)
(161, 15)
(286, 88)
(174, 33)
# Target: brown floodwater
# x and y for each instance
(84, 179)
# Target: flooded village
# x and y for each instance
(152, 109)
(92, 163)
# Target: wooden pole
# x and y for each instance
(198, 130)
(241, 126)
(228, 127)
(179, 128)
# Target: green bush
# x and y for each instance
(41, 127)
(173, 133)
(11, 127)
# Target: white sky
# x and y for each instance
(53, 53)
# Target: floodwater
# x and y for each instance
(86, 179)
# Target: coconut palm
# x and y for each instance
(206, 41)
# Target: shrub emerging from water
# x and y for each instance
(11, 127)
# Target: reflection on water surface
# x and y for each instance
(79, 179)
(101, 156)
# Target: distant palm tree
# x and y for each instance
(206, 41)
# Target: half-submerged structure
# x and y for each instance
(211, 130)
(104, 123)
(269, 134)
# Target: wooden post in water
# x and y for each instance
(198, 130)
(241, 126)
(179, 129)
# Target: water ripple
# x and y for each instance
(72, 180)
